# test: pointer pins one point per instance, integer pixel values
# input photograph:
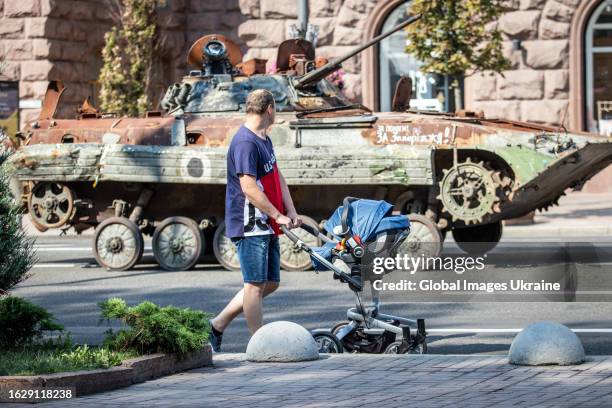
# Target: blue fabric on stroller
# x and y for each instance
(366, 218)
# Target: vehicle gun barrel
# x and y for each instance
(333, 65)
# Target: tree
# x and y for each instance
(16, 250)
(128, 57)
(457, 38)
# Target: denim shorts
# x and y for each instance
(259, 258)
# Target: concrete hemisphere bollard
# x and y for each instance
(546, 343)
(282, 342)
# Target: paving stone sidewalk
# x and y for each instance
(357, 380)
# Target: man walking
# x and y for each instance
(256, 201)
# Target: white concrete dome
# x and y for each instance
(544, 343)
(282, 342)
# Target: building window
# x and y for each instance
(9, 107)
(598, 53)
(429, 92)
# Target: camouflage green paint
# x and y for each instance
(525, 162)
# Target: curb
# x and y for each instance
(131, 371)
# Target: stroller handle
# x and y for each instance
(309, 229)
(294, 238)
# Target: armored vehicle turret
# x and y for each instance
(164, 174)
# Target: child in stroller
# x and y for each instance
(361, 231)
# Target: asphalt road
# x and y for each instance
(67, 281)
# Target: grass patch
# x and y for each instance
(46, 360)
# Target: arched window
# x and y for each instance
(430, 92)
(598, 70)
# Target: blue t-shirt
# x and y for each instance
(252, 155)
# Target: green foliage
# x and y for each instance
(33, 361)
(155, 329)
(453, 37)
(23, 322)
(127, 58)
(16, 250)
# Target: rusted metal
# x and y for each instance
(55, 89)
(143, 200)
(146, 131)
(196, 55)
(402, 94)
(252, 66)
(88, 111)
(292, 47)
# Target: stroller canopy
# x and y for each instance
(367, 218)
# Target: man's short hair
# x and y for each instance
(258, 101)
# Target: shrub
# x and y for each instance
(155, 329)
(16, 250)
(23, 322)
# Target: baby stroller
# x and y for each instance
(362, 230)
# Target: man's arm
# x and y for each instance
(249, 187)
(288, 201)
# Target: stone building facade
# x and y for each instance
(547, 42)
(42, 40)
(537, 86)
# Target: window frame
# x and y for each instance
(589, 51)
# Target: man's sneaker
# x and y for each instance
(215, 339)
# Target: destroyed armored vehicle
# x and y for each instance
(164, 174)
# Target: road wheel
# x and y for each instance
(177, 243)
(394, 348)
(293, 259)
(424, 238)
(51, 205)
(117, 244)
(225, 250)
(479, 239)
(328, 343)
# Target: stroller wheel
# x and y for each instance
(328, 343)
(395, 347)
(339, 326)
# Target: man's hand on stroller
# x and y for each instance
(283, 220)
(296, 220)
(288, 220)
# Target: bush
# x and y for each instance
(23, 322)
(16, 250)
(36, 361)
(155, 329)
